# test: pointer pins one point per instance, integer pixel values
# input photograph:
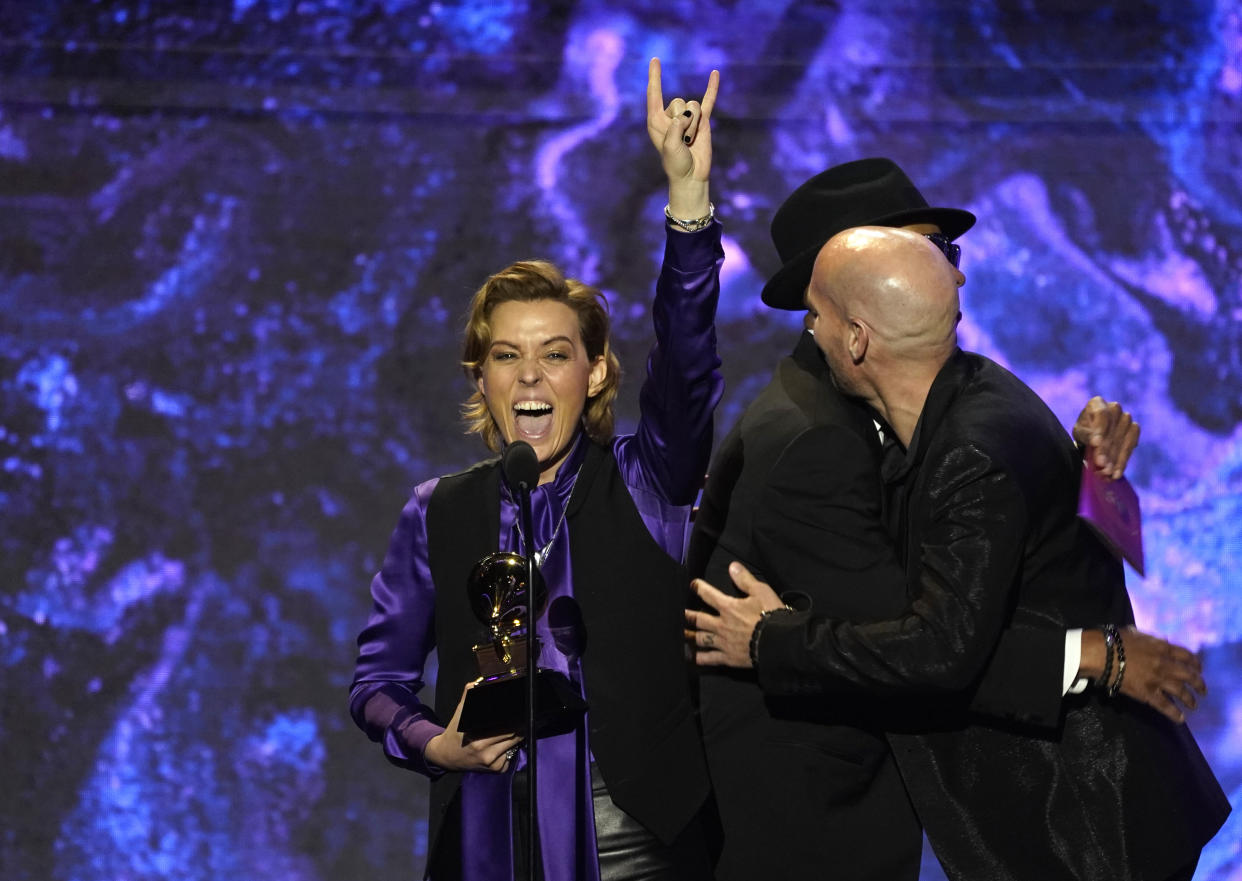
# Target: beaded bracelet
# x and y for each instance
(754, 634)
(1121, 665)
(1110, 641)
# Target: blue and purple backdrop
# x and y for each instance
(236, 240)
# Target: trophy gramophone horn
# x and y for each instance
(497, 588)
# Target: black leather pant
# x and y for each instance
(627, 851)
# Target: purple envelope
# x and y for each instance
(1111, 507)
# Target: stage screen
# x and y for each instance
(236, 242)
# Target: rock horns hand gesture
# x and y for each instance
(682, 134)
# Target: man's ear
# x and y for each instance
(599, 373)
(859, 339)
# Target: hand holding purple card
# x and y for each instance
(1111, 508)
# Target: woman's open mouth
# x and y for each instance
(532, 419)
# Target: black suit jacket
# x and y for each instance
(985, 505)
(806, 788)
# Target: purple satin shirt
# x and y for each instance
(662, 464)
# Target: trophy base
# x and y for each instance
(493, 665)
(498, 705)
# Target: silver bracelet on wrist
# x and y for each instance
(754, 634)
(692, 225)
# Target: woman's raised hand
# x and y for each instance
(682, 133)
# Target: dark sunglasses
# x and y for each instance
(952, 252)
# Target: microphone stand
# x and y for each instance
(532, 809)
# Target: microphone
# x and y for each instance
(521, 466)
(521, 470)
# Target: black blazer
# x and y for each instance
(986, 508)
(643, 731)
(806, 788)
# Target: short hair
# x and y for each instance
(528, 281)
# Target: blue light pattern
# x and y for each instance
(237, 241)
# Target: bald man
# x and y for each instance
(982, 495)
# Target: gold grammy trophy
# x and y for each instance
(497, 703)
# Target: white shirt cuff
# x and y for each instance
(1071, 682)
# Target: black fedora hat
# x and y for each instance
(865, 192)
